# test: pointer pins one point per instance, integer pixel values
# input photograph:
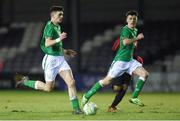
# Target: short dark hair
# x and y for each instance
(132, 12)
(56, 8)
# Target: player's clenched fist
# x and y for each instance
(140, 36)
(63, 35)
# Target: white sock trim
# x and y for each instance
(73, 97)
(101, 83)
(35, 85)
(142, 78)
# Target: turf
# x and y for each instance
(26, 105)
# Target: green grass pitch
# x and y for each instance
(31, 105)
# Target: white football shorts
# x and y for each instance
(119, 67)
(52, 65)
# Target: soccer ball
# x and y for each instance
(90, 108)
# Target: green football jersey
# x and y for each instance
(52, 31)
(125, 53)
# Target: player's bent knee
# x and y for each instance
(116, 88)
(125, 87)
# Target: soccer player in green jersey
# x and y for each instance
(124, 62)
(54, 62)
(120, 86)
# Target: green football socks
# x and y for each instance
(93, 90)
(30, 83)
(75, 104)
(138, 88)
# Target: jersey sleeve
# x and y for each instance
(125, 33)
(48, 32)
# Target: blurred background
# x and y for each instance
(92, 27)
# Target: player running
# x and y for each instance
(124, 62)
(54, 62)
(120, 86)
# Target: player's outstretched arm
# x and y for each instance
(128, 41)
(51, 42)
